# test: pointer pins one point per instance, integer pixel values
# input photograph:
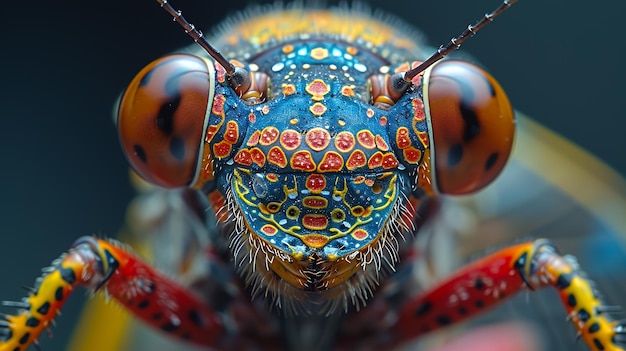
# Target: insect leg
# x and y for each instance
(491, 279)
(102, 265)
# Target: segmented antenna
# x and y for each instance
(197, 36)
(456, 42)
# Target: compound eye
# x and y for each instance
(472, 125)
(161, 119)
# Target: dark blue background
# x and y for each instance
(62, 65)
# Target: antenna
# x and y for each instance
(456, 42)
(197, 36)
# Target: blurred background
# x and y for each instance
(63, 64)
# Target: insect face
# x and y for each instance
(318, 152)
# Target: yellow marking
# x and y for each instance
(241, 189)
(390, 194)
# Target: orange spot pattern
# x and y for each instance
(366, 139)
(344, 141)
(317, 139)
(315, 183)
(357, 159)
(290, 139)
(331, 162)
(302, 161)
(277, 156)
(314, 221)
(269, 135)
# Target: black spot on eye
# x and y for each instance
(479, 303)
(472, 126)
(68, 275)
(444, 320)
(140, 152)
(479, 284)
(177, 148)
(165, 118)
(462, 311)
(455, 155)
(571, 300)
(24, 338)
(44, 308)
(32, 322)
(423, 309)
(491, 161)
(58, 294)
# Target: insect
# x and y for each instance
(387, 183)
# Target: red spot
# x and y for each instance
(244, 157)
(252, 117)
(358, 179)
(317, 139)
(369, 113)
(232, 132)
(277, 157)
(344, 141)
(269, 230)
(315, 221)
(376, 160)
(317, 109)
(222, 149)
(418, 110)
(302, 161)
(317, 88)
(366, 139)
(357, 159)
(389, 161)
(315, 202)
(412, 155)
(383, 121)
(218, 105)
(269, 135)
(359, 234)
(254, 138)
(210, 132)
(381, 143)
(402, 138)
(290, 139)
(258, 156)
(423, 136)
(331, 162)
(265, 110)
(315, 183)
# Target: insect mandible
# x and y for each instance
(316, 207)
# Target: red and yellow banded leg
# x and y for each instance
(488, 281)
(101, 265)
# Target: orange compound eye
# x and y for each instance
(472, 126)
(162, 116)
